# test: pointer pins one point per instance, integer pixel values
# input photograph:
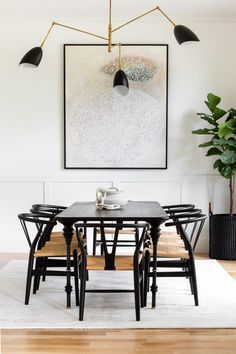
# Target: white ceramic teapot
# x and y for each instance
(110, 198)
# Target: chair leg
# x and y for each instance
(82, 291)
(191, 284)
(94, 241)
(76, 276)
(44, 268)
(137, 293)
(36, 277)
(141, 285)
(29, 279)
(146, 277)
(194, 281)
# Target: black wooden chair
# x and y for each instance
(45, 252)
(174, 211)
(56, 237)
(110, 261)
(175, 249)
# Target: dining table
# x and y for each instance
(150, 212)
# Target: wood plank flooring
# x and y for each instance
(138, 341)
(120, 341)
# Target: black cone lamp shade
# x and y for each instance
(32, 58)
(121, 83)
(184, 34)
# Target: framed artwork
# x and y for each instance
(104, 130)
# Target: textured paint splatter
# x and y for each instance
(136, 68)
(108, 131)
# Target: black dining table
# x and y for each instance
(147, 211)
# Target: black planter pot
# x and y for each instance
(223, 236)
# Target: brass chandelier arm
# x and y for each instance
(119, 56)
(41, 45)
(136, 18)
(144, 14)
(72, 28)
(110, 30)
(167, 17)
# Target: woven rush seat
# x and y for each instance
(170, 237)
(111, 231)
(54, 249)
(121, 262)
(170, 249)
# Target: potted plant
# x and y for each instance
(222, 144)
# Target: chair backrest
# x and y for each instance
(36, 227)
(178, 208)
(110, 256)
(47, 208)
(189, 226)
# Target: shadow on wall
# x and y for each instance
(187, 147)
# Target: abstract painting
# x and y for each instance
(103, 129)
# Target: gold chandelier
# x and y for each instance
(182, 34)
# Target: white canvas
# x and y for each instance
(104, 129)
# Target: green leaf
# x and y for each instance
(204, 131)
(231, 142)
(218, 113)
(212, 102)
(208, 143)
(217, 163)
(219, 141)
(232, 114)
(228, 157)
(232, 123)
(225, 129)
(209, 120)
(204, 115)
(227, 172)
(213, 151)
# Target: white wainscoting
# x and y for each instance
(18, 196)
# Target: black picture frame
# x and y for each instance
(79, 122)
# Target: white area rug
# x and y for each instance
(175, 305)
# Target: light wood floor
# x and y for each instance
(138, 341)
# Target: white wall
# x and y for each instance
(31, 116)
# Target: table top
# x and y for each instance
(134, 210)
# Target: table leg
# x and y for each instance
(68, 234)
(155, 233)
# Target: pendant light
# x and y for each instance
(32, 58)
(184, 34)
(120, 82)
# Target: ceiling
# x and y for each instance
(97, 10)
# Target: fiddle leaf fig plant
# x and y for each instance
(222, 140)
